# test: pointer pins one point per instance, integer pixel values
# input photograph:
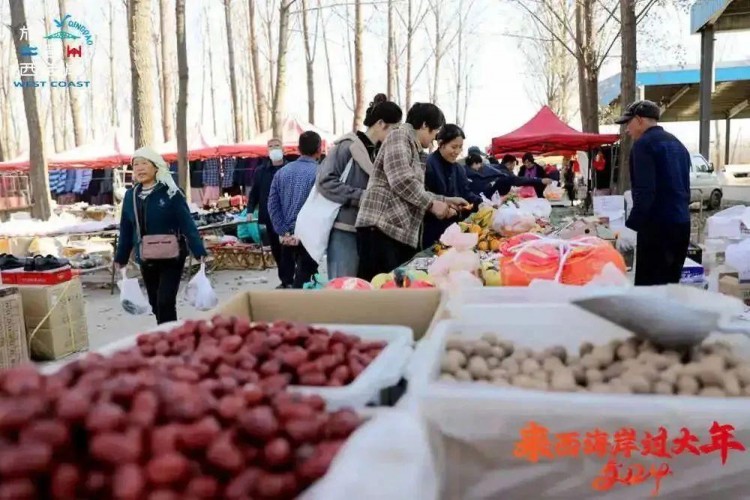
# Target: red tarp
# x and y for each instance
(112, 150)
(291, 129)
(546, 133)
(200, 145)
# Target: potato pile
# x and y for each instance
(202, 416)
(631, 366)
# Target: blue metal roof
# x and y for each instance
(705, 11)
(609, 89)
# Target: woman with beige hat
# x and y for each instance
(156, 223)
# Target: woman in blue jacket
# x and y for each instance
(162, 209)
(445, 177)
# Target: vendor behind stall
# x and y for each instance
(532, 170)
(508, 179)
(481, 177)
(444, 176)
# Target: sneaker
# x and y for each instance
(8, 261)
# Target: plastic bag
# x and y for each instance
(538, 207)
(510, 221)
(527, 192)
(553, 192)
(131, 296)
(738, 257)
(199, 292)
(454, 238)
(627, 239)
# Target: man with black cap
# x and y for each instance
(660, 178)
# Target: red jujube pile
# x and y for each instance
(198, 412)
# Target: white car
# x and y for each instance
(705, 184)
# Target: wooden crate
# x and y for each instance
(241, 257)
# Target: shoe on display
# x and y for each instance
(8, 261)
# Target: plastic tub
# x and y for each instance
(479, 425)
(385, 371)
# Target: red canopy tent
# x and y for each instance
(113, 150)
(200, 145)
(291, 129)
(546, 133)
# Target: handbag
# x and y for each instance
(155, 246)
(316, 218)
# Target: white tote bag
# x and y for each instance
(315, 220)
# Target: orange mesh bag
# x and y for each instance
(586, 262)
(529, 260)
(582, 260)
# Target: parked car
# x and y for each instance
(705, 184)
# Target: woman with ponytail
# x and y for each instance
(343, 177)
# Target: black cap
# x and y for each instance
(644, 109)
(474, 150)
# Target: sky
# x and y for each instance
(499, 102)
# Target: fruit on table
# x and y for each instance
(622, 366)
(184, 424)
(344, 283)
(492, 277)
(381, 279)
(402, 280)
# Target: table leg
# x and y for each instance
(112, 283)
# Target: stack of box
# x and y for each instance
(52, 277)
(13, 348)
(55, 319)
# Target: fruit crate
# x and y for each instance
(374, 383)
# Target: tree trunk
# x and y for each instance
(359, 79)
(438, 53)
(57, 137)
(232, 76)
(391, 70)
(182, 68)
(592, 67)
(167, 83)
(37, 157)
(330, 77)
(460, 47)
(113, 114)
(309, 65)
(142, 70)
(627, 85)
(279, 97)
(409, 37)
(79, 133)
(583, 101)
(211, 74)
(259, 98)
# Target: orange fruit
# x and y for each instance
(483, 246)
(495, 245)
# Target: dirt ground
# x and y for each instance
(107, 321)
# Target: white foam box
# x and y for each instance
(478, 425)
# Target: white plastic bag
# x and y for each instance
(538, 207)
(738, 257)
(131, 296)
(315, 220)
(199, 292)
(510, 220)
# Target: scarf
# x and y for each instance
(163, 175)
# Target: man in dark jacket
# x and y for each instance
(481, 177)
(259, 199)
(660, 177)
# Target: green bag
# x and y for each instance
(249, 232)
(316, 283)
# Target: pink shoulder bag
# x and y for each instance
(155, 246)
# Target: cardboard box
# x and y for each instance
(55, 317)
(21, 277)
(417, 309)
(731, 285)
(692, 272)
(13, 347)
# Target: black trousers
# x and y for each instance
(304, 265)
(660, 254)
(379, 253)
(162, 280)
(284, 261)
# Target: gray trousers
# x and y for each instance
(343, 259)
